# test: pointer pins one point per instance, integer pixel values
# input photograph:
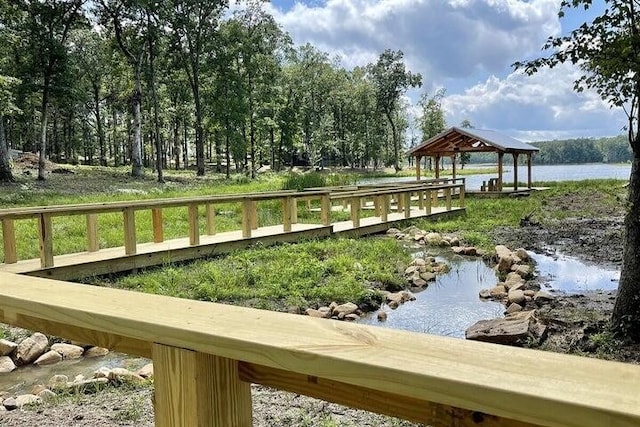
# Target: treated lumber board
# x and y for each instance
(194, 224)
(407, 204)
(198, 389)
(355, 211)
(380, 401)
(325, 209)
(129, 225)
(286, 213)
(210, 213)
(93, 243)
(447, 197)
(9, 241)
(526, 385)
(45, 234)
(247, 212)
(157, 224)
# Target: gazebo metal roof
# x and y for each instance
(456, 140)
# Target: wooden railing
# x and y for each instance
(425, 195)
(206, 355)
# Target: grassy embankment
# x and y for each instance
(301, 274)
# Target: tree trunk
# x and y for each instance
(154, 96)
(199, 137)
(101, 143)
(626, 312)
(43, 130)
(136, 147)
(116, 151)
(394, 138)
(227, 148)
(5, 164)
(176, 142)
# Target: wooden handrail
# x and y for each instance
(425, 378)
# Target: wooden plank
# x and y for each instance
(420, 199)
(355, 211)
(199, 390)
(286, 214)
(384, 207)
(427, 202)
(194, 225)
(210, 213)
(247, 211)
(93, 243)
(570, 391)
(45, 233)
(325, 209)
(9, 242)
(415, 410)
(407, 204)
(434, 198)
(129, 219)
(254, 216)
(461, 197)
(294, 210)
(158, 225)
(447, 198)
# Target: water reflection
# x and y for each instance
(569, 275)
(451, 304)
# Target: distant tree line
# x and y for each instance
(184, 84)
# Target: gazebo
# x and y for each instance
(456, 140)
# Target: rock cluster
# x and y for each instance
(347, 311)
(422, 271)
(514, 329)
(423, 237)
(61, 384)
(36, 350)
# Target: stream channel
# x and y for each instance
(447, 307)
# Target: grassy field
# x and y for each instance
(302, 275)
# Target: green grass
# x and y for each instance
(304, 274)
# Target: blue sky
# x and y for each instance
(467, 47)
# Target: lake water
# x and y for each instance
(540, 173)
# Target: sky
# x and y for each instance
(466, 47)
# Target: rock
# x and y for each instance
(124, 375)
(399, 297)
(428, 276)
(515, 286)
(393, 231)
(27, 399)
(419, 283)
(102, 372)
(419, 262)
(293, 309)
(522, 254)
(505, 259)
(543, 297)
(529, 293)
(382, 316)
(10, 404)
(521, 269)
(7, 347)
(485, 293)
(352, 317)
(37, 389)
(393, 304)
(503, 252)
(409, 270)
(513, 329)
(433, 239)
(96, 352)
(315, 313)
(46, 394)
(465, 250)
(516, 296)
(58, 382)
(326, 311)
(91, 385)
(513, 308)
(454, 241)
(31, 348)
(146, 371)
(6, 365)
(345, 309)
(498, 292)
(513, 277)
(48, 358)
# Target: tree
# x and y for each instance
(465, 157)
(608, 52)
(392, 80)
(432, 121)
(6, 107)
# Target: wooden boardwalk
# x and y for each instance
(411, 202)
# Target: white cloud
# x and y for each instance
(532, 107)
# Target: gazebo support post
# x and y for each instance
(515, 171)
(437, 165)
(500, 159)
(529, 183)
(453, 166)
(418, 159)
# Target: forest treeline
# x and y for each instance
(163, 84)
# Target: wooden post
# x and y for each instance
(325, 209)
(461, 197)
(399, 202)
(437, 169)
(515, 171)
(407, 204)
(447, 197)
(158, 226)
(294, 210)
(254, 217)
(355, 211)
(93, 244)
(384, 207)
(418, 158)
(453, 166)
(500, 179)
(247, 211)
(211, 219)
(420, 199)
(427, 201)
(129, 216)
(434, 197)
(529, 180)
(46, 240)
(194, 226)
(9, 240)
(198, 389)
(286, 213)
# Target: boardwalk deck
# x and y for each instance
(114, 260)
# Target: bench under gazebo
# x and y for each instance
(454, 141)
